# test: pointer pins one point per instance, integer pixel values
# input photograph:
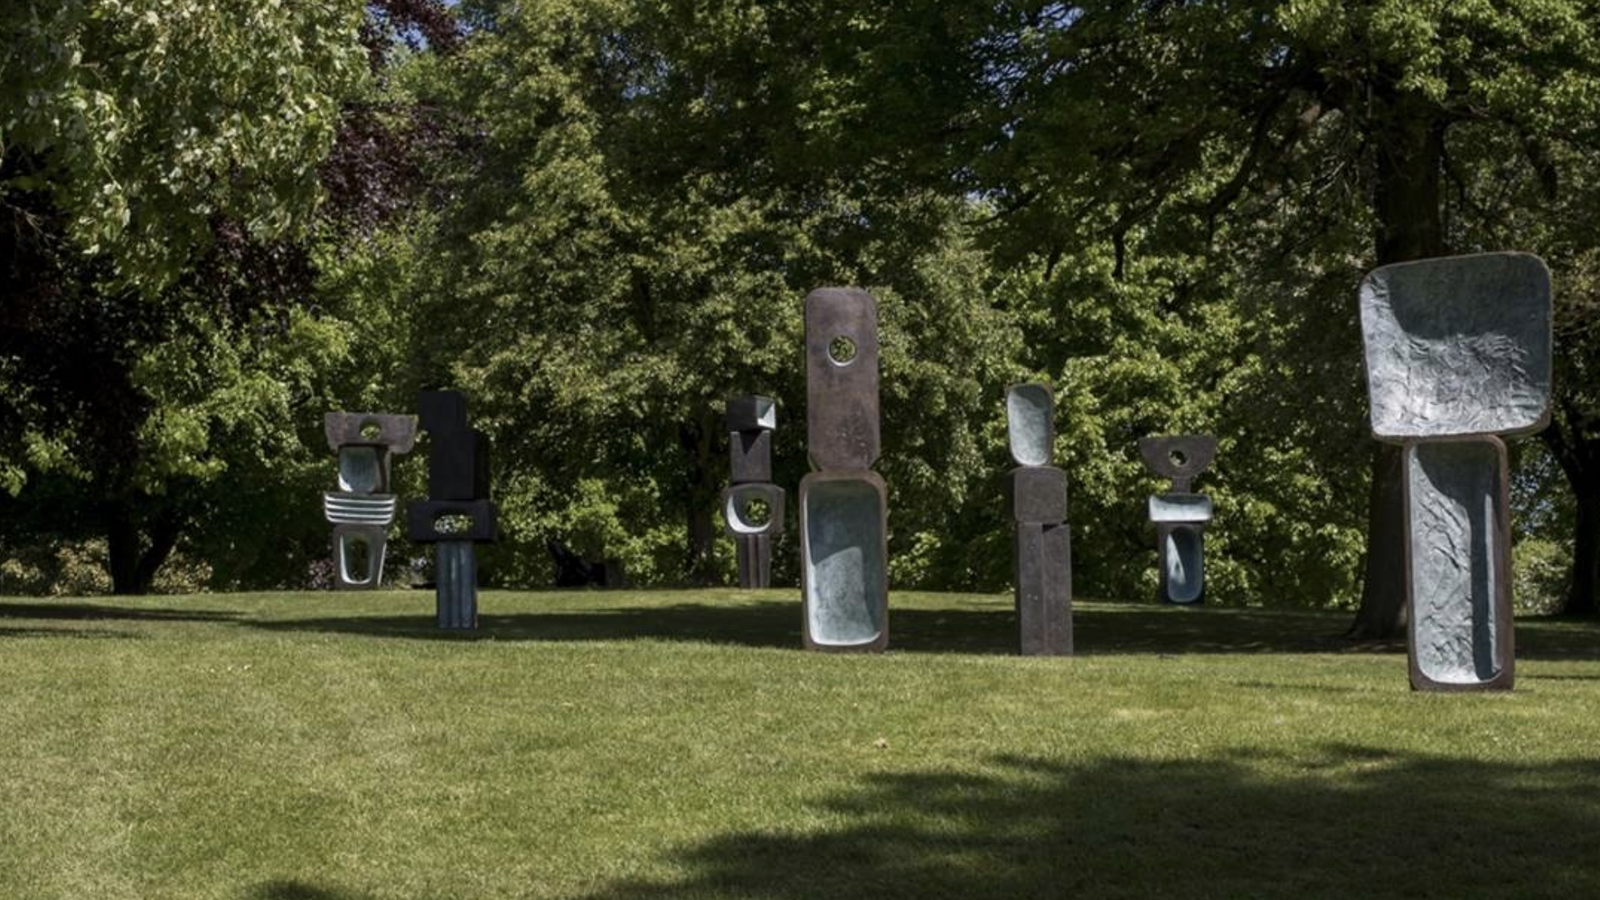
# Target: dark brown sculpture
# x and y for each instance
(363, 507)
(1038, 498)
(1458, 350)
(1180, 516)
(844, 555)
(458, 512)
(752, 506)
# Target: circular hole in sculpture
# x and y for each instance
(842, 350)
(755, 512)
(1178, 458)
(452, 523)
(371, 430)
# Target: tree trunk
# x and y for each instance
(698, 440)
(1408, 204)
(133, 564)
(1580, 462)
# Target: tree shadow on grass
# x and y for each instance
(1104, 629)
(1344, 821)
(46, 610)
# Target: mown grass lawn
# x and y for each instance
(674, 745)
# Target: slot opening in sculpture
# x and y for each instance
(1452, 503)
(846, 572)
(452, 523)
(1184, 560)
(357, 558)
(371, 430)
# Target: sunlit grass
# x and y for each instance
(680, 745)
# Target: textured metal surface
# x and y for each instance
(1458, 346)
(1180, 508)
(845, 555)
(1044, 589)
(398, 433)
(1030, 424)
(1183, 577)
(1037, 494)
(1458, 557)
(841, 395)
(456, 571)
(376, 540)
(1179, 457)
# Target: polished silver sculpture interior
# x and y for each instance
(363, 506)
(844, 554)
(1457, 352)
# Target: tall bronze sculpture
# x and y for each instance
(1458, 352)
(1180, 516)
(844, 552)
(363, 506)
(752, 506)
(458, 513)
(1043, 540)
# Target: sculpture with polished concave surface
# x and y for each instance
(1458, 351)
(844, 555)
(1179, 515)
(363, 506)
(1042, 540)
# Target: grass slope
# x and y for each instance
(675, 745)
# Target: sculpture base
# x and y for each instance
(456, 573)
(844, 561)
(1458, 565)
(1044, 589)
(755, 560)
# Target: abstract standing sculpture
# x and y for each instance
(1457, 352)
(457, 513)
(844, 553)
(362, 508)
(752, 505)
(1038, 495)
(1180, 516)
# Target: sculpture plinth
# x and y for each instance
(1180, 517)
(752, 506)
(1037, 495)
(361, 510)
(1458, 350)
(458, 513)
(844, 551)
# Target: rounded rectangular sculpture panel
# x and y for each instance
(1458, 346)
(1183, 577)
(844, 578)
(1037, 494)
(1458, 554)
(841, 378)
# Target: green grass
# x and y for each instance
(674, 745)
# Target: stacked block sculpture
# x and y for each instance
(457, 514)
(362, 508)
(752, 506)
(1179, 515)
(1458, 351)
(844, 552)
(1038, 500)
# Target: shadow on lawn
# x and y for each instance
(73, 612)
(1337, 823)
(1104, 629)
